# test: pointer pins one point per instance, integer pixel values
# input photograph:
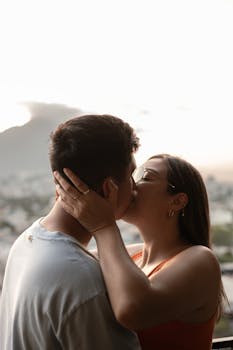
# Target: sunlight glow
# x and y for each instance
(167, 68)
(13, 114)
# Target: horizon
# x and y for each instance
(153, 144)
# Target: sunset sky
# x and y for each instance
(165, 66)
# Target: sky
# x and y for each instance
(164, 66)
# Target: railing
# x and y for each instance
(223, 343)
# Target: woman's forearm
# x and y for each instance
(126, 283)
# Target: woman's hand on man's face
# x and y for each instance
(91, 210)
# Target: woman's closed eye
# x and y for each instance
(144, 178)
(147, 176)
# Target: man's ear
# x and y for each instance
(110, 191)
(179, 201)
(56, 196)
(109, 186)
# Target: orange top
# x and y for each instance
(176, 335)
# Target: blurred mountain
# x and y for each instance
(24, 149)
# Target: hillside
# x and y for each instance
(25, 148)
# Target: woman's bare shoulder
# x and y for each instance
(195, 261)
(188, 280)
(201, 254)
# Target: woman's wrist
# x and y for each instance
(109, 243)
(106, 228)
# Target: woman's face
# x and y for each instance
(152, 200)
(126, 190)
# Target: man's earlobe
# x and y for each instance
(105, 189)
(109, 185)
(115, 186)
(56, 196)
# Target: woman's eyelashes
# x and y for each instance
(146, 176)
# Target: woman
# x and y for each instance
(170, 290)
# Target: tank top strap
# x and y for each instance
(158, 267)
(138, 255)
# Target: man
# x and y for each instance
(53, 294)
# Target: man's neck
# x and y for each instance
(58, 220)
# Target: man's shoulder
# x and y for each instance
(56, 263)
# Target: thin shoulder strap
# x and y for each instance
(138, 255)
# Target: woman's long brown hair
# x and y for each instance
(194, 224)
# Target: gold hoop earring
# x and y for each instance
(171, 213)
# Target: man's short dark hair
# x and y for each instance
(94, 147)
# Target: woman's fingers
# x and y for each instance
(92, 211)
(63, 194)
(63, 183)
(66, 206)
(79, 184)
(69, 204)
(66, 186)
